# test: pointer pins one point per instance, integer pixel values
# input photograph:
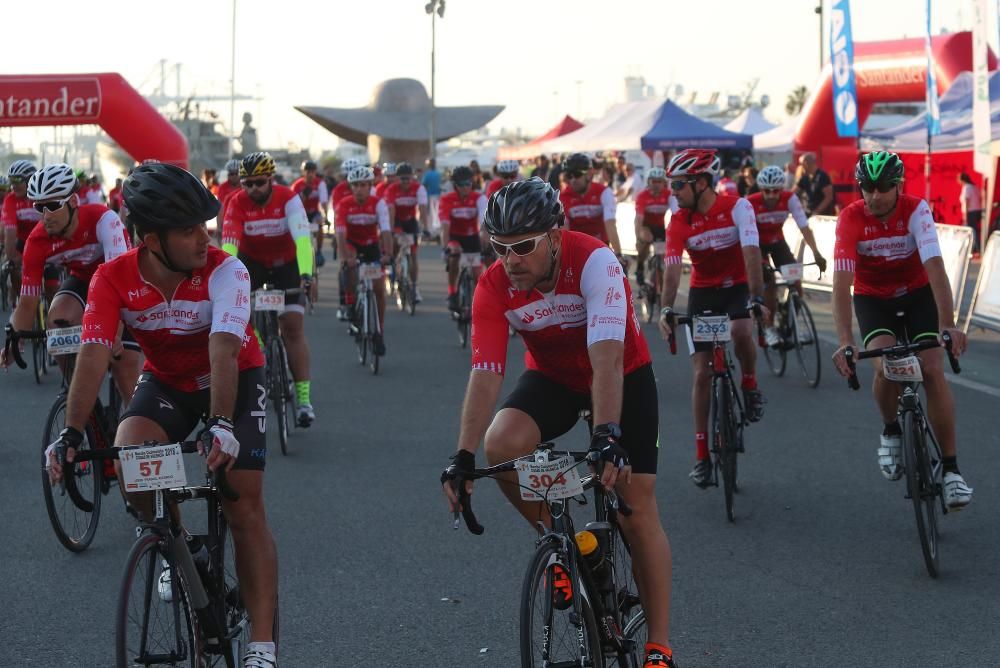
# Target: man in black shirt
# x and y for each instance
(815, 188)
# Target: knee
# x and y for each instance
(247, 515)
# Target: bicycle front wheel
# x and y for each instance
(806, 341)
(550, 636)
(922, 489)
(725, 433)
(777, 356)
(371, 309)
(361, 320)
(153, 628)
(630, 614)
(464, 307)
(277, 387)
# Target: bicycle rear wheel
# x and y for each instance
(149, 630)
(277, 386)
(371, 309)
(361, 320)
(75, 528)
(725, 434)
(777, 357)
(806, 341)
(923, 490)
(464, 307)
(549, 636)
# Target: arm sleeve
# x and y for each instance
(421, 196)
(232, 227)
(845, 248)
(602, 285)
(9, 214)
(111, 234)
(101, 317)
(382, 215)
(324, 193)
(672, 203)
(923, 230)
(609, 204)
(298, 227)
(798, 213)
(489, 329)
(32, 266)
(481, 205)
(676, 240)
(746, 223)
(229, 292)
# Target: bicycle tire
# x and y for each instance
(922, 491)
(464, 307)
(139, 584)
(630, 614)
(725, 432)
(5, 288)
(534, 591)
(361, 318)
(277, 387)
(803, 323)
(777, 358)
(79, 527)
(371, 308)
(402, 281)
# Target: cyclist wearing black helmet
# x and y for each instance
(312, 189)
(461, 212)
(590, 207)
(567, 295)
(405, 198)
(202, 360)
(887, 249)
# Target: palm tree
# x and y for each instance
(796, 100)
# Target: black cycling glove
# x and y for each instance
(605, 446)
(461, 461)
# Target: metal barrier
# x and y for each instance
(985, 309)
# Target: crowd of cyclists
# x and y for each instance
(167, 309)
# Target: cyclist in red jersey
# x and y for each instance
(566, 293)
(18, 217)
(461, 212)
(227, 189)
(651, 206)
(312, 189)
(115, 196)
(590, 207)
(887, 249)
(78, 237)
(203, 362)
(507, 171)
(364, 234)
(719, 234)
(266, 228)
(772, 205)
(343, 188)
(405, 199)
(389, 172)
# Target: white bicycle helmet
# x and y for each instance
(362, 173)
(233, 166)
(349, 165)
(21, 169)
(56, 181)
(656, 173)
(508, 167)
(771, 177)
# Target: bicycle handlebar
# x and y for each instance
(12, 347)
(898, 349)
(677, 319)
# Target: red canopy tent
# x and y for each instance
(530, 150)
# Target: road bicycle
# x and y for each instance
(268, 304)
(406, 291)
(794, 323)
(366, 326)
(468, 263)
(649, 290)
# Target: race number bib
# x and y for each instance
(370, 271)
(791, 272)
(147, 468)
(554, 480)
(64, 341)
(470, 260)
(659, 248)
(904, 370)
(711, 328)
(405, 239)
(269, 300)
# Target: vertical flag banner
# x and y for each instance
(845, 93)
(982, 162)
(933, 110)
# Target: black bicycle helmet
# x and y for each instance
(257, 164)
(578, 162)
(404, 169)
(308, 166)
(522, 207)
(879, 167)
(161, 196)
(461, 175)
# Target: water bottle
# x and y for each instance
(199, 552)
(593, 555)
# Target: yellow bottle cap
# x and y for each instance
(586, 541)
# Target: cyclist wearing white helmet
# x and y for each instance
(389, 172)
(772, 205)
(507, 171)
(343, 188)
(312, 189)
(18, 219)
(651, 206)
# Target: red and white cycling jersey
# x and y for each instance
(225, 192)
(362, 222)
(463, 216)
(19, 214)
(380, 188)
(99, 237)
(588, 212)
(316, 195)
(495, 185)
(653, 210)
(406, 200)
(174, 334)
(887, 258)
(714, 241)
(726, 186)
(591, 302)
(770, 221)
(266, 234)
(340, 191)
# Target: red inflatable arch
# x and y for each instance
(104, 99)
(891, 71)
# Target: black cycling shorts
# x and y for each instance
(282, 277)
(732, 300)
(556, 409)
(178, 413)
(78, 289)
(469, 244)
(659, 233)
(407, 227)
(780, 254)
(877, 316)
(369, 253)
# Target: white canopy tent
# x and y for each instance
(750, 122)
(620, 129)
(778, 139)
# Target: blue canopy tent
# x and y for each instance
(676, 129)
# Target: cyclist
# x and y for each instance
(590, 207)
(887, 249)
(343, 188)
(202, 360)
(405, 198)
(772, 205)
(507, 171)
(227, 189)
(651, 206)
(266, 227)
(78, 237)
(461, 212)
(566, 294)
(720, 236)
(19, 218)
(389, 172)
(312, 189)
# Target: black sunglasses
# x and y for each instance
(575, 174)
(771, 191)
(679, 185)
(255, 183)
(872, 187)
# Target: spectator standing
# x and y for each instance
(542, 169)
(478, 183)
(115, 196)
(634, 184)
(431, 180)
(815, 188)
(555, 171)
(972, 208)
(747, 185)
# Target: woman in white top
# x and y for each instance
(972, 208)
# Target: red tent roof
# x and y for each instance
(565, 126)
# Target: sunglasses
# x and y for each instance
(679, 185)
(771, 191)
(463, 184)
(520, 248)
(15, 180)
(255, 183)
(42, 207)
(575, 175)
(508, 177)
(872, 187)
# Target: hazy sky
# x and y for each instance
(540, 58)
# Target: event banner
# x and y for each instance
(933, 109)
(845, 92)
(981, 138)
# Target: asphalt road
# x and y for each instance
(821, 568)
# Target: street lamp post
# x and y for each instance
(819, 12)
(434, 7)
